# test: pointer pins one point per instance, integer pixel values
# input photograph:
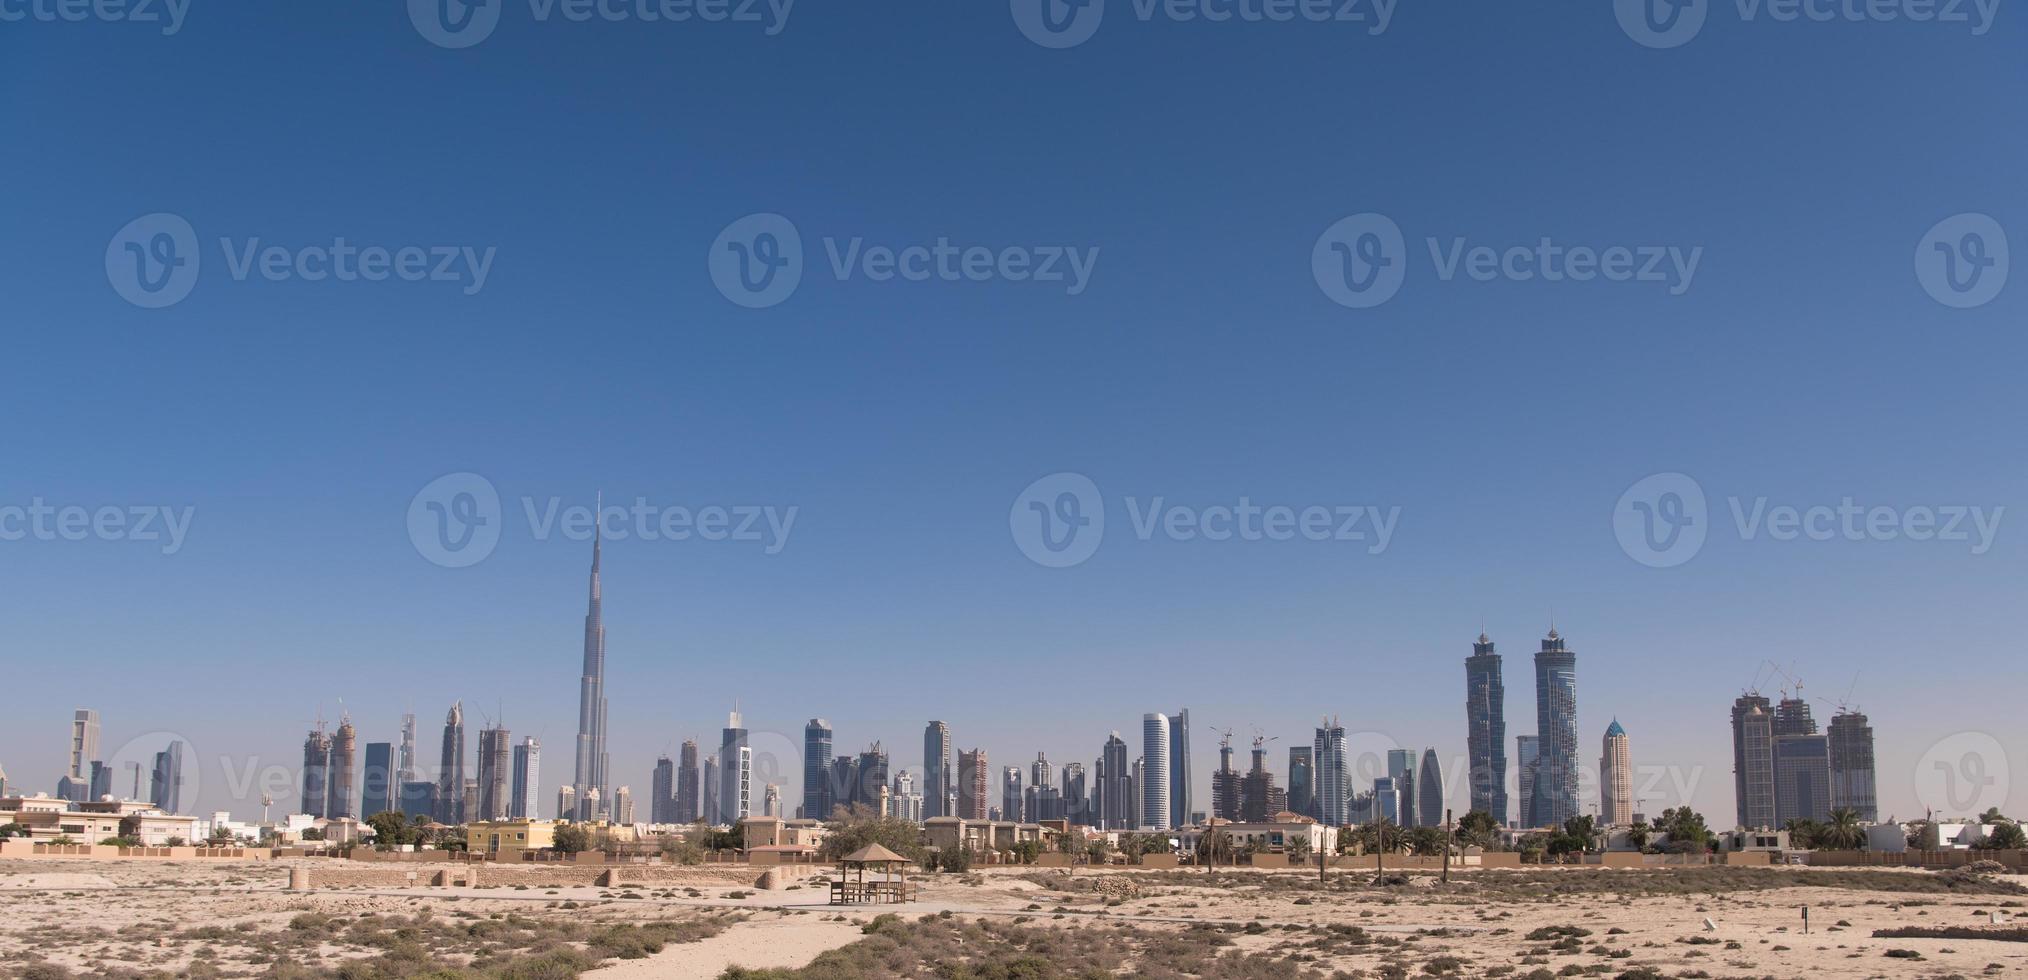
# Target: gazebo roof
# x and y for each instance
(873, 854)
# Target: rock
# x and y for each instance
(770, 881)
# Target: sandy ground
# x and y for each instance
(99, 917)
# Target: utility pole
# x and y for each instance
(1447, 846)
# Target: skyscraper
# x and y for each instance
(1616, 778)
(1528, 757)
(316, 772)
(1429, 791)
(972, 785)
(771, 802)
(1179, 768)
(1334, 775)
(338, 803)
(735, 789)
(1387, 800)
(102, 779)
(566, 803)
(686, 783)
(406, 772)
(527, 779)
(84, 741)
(495, 772)
(1259, 798)
(451, 769)
(591, 695)
(622, 808)
(1753, 762)
(712, 784)
(1486, 729)
(1852, 777)
(1792, 717)
(1225, 784)
(936, 769)
(818, 796)
(166, 788)
(1802, 770)
(1302, 780)
(869, 777)
(1116, 801)
(1155, 771)
(1010, 794)
(1076, 803)
(1401, 770)
(380, 784)
(1556, 731)
(662, 792)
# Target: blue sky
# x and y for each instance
(600, 162)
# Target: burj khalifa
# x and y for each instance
(593, 796)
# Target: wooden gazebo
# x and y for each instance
(890, 888)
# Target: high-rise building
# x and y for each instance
(1401, 769)
(936, 769)
(1010, 794)
(1155, 771)
(905, 801)
(1486, 729)
(687, 810)
(591, 773)
(1556, 732)
(1076, 804)
(1179, 768)
(735, 790)
(1616, 778)
(566, 803)
(1334, 775)
(527, 780)
(972, 785)
(1302, 780)
(451, 769)
(496, 752)
(102, 779)
(1259, 798)
(316, 773)
(84, 741)
(869, 777)
(1792, 717)
(1527, 758)
(818, 798)
(165, 790)
(1225, 785)
(406, 771)
(1753, 762)
(1387, 800)
(712, 784)
(339, 801)
(1802, 770)
(1115, 774)
(771, 802)
(662, 792)
(419, 799)
(1852, 777)
(380, 785)
(1137, 814)
(3, 782)
(1429, 791)
(1040, 772)
(623, 806)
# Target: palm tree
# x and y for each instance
(1844, 832)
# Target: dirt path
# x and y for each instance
(784, 943)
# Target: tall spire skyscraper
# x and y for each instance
(591, 699)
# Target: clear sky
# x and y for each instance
(1202, 359)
